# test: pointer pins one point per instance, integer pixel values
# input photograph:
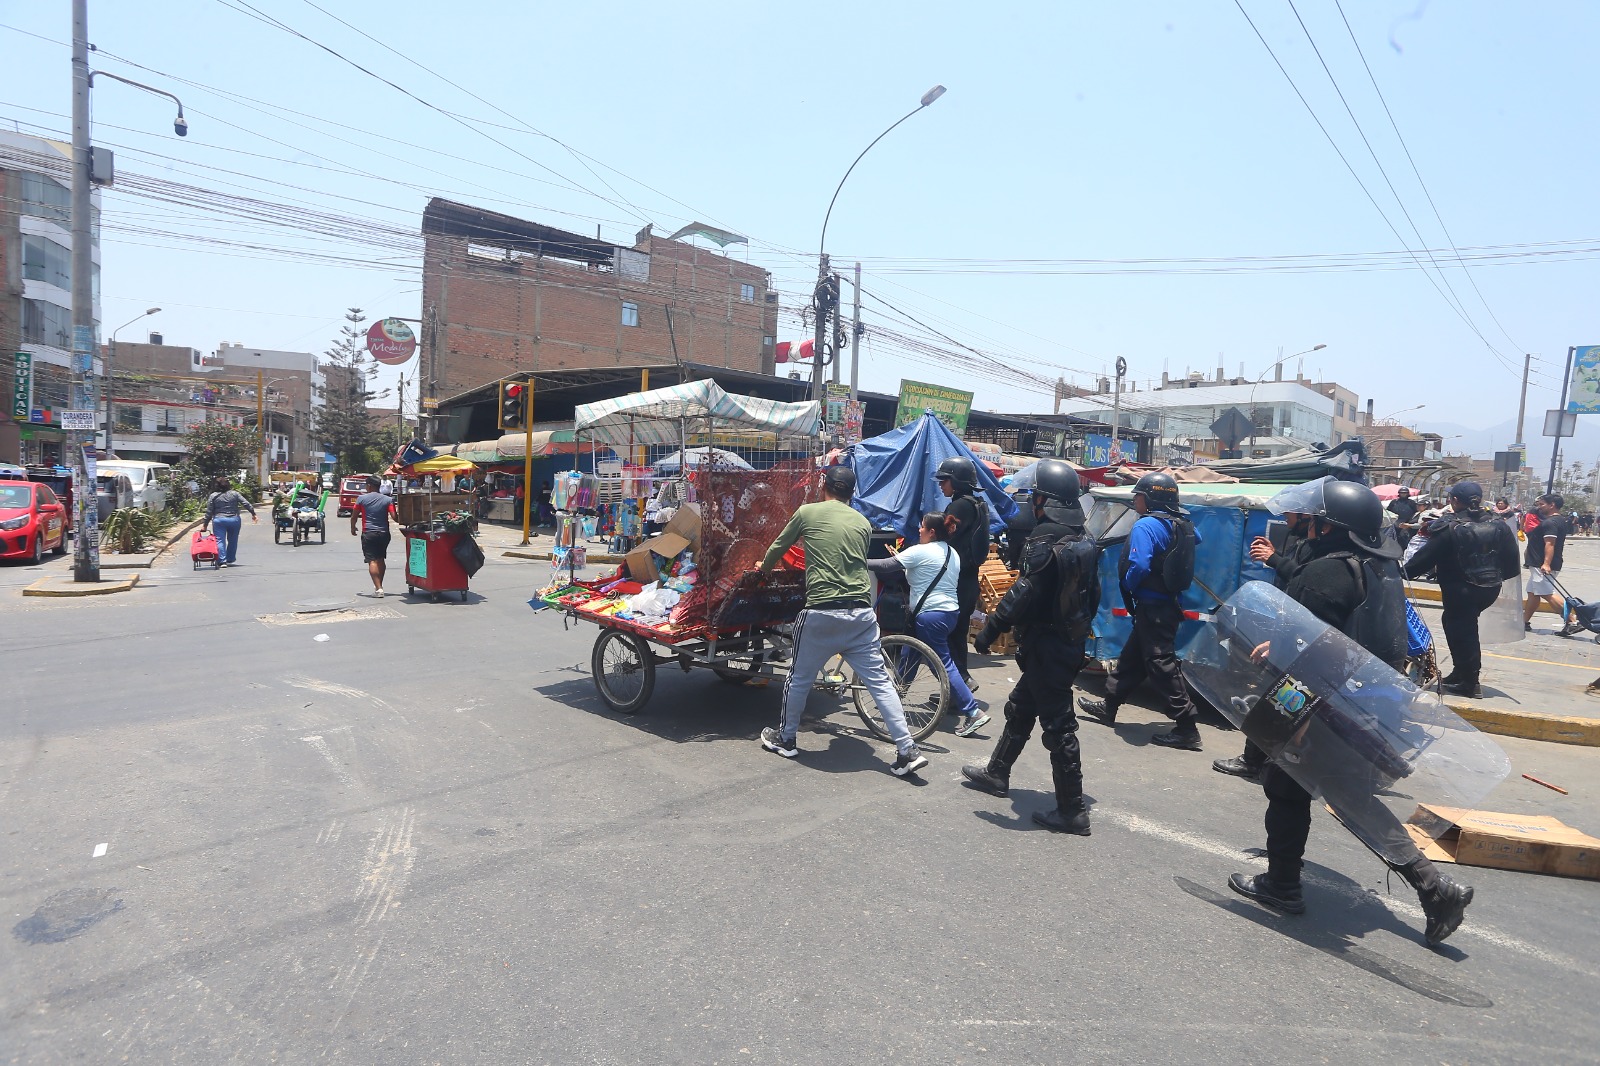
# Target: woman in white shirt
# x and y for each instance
(932, 569)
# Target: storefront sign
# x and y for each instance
(22, 392)
(1098, 451)
(391, 341)
(950, 406)
(81, 421)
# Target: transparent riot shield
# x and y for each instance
(1344, 725)
(1502, 622)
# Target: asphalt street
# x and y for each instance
(410, 832)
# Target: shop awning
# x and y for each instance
(557, 440)
(662, 416)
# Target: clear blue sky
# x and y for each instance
(1070, 132)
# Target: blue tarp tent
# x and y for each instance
(895, 486)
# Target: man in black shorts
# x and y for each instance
(374, 509)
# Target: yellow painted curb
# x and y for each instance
(1555, 728)
(49, 586)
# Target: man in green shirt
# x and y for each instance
(838, 617)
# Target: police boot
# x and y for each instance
(994, 776)
(1444, 902)
(1102, 711)
(1071, 814)
(1263, 888)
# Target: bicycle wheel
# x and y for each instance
(919, 678)
(624, 671)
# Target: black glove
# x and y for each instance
(985, 638)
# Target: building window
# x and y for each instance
(767, 342)
(44, 197)
(630, 314)
(45, 260)
(747, 293)
(1339, 407)
(46, 323)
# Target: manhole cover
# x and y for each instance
(313, 606)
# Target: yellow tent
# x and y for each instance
(441, 464)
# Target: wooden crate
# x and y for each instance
(993, 581)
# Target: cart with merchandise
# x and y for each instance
(441, 554)
(692, 595)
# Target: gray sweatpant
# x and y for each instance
(852, 633)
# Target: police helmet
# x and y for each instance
(960, 472)
(1056, 488)
(840, 480)
(1469, 493)
(1357, 510)
(1160, 491)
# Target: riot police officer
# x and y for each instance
(1474, 552)
(1157, 566)
(958, 479)
(1350, 580)
(1051, 606)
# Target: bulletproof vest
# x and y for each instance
(1379, 623)
(1477, 552)
(1076, 561)
(1172, 569)
(975, 546)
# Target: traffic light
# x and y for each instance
(514, 396)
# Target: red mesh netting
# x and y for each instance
(741, 514)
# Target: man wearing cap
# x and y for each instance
(838, 618)
(1547, 533)
(1474, 552)
(1157, 566)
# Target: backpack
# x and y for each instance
(1177, 562)
(1077, 566)
(1379, 623)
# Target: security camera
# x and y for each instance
(180, 126)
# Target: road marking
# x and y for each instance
(1355, 893)
(100, 850)
(1540, 662)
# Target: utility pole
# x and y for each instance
(86, 546)
(1116, 407)
(1522, 410)
(824, 300)
(855, 339)
(261, 429)
(1561, 408)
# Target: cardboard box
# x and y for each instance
(1533, 843)
(641, 562)
(685, 523)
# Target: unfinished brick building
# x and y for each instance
(503, 295)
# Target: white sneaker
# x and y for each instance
(377, 594)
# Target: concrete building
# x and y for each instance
(502, 295)
(36, 295)
(1288, 415)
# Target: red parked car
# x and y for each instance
(31, 520)
(351, 486)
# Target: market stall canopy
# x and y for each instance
(895, 483)
(441, 464)
(702, 457)
(1346, 461)
(656, 417)
(550, 440)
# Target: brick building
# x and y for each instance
(502, 295)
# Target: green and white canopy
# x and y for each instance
(666, 416)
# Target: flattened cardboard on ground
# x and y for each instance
(1534, 843)
(642, 567)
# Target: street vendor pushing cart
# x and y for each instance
(838, 618)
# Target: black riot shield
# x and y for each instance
(1344, 725)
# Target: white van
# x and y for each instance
(150, 480)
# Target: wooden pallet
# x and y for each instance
(993, 581)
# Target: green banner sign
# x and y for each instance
(22, 396)
(950, 406)
(417, 558)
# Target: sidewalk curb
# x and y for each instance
(1431, 594)
(49, 586)
(1553, 728)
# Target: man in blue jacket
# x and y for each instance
(1157, 566)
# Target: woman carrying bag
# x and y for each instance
(933, 569)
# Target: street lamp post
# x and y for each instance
(111, 374)
(825, 298)
(1276, 363)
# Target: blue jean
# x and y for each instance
(936, 629)
(226, 528)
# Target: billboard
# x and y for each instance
(950, 406)
(391, 341)
(1098, 451)
(1583, 392)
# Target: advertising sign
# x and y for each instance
(82, 421)
(1098, 451)
(391, 341)
(417, 557)
(1583, 393)
(950, 406)
(22, 387)
(838, 394)
(83, 349)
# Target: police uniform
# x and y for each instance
(1057, 558)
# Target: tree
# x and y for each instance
(218, 449)
(343, 423)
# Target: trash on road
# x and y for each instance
(1546, 784)
(1532, 843)
(320, 637)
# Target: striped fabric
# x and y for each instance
(659, 416)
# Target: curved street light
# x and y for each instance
(111, 364)
(1276, 363)
(826, 295)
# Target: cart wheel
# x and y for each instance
(323, 530)
(277, 534)
(296, 534)
(737, 672)
(624, 671)
(918, 677)
(463, 595)
(411, 590)
(433, 597)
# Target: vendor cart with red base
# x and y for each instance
(431, 563)
(697, 601)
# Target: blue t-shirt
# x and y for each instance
(1149, 537)
(922, 564)
(374, 508)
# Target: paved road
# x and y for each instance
(424, 840)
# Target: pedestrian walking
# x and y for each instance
(223, 518)
(1547, 533)
(958, 480)
(373, 508)
(1051, 607)
(1286, 557)
(931, 568)
(1350, 582)
(1474, 552)
(838, 617)
(1157, 566)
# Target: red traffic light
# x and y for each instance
(513, 390)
